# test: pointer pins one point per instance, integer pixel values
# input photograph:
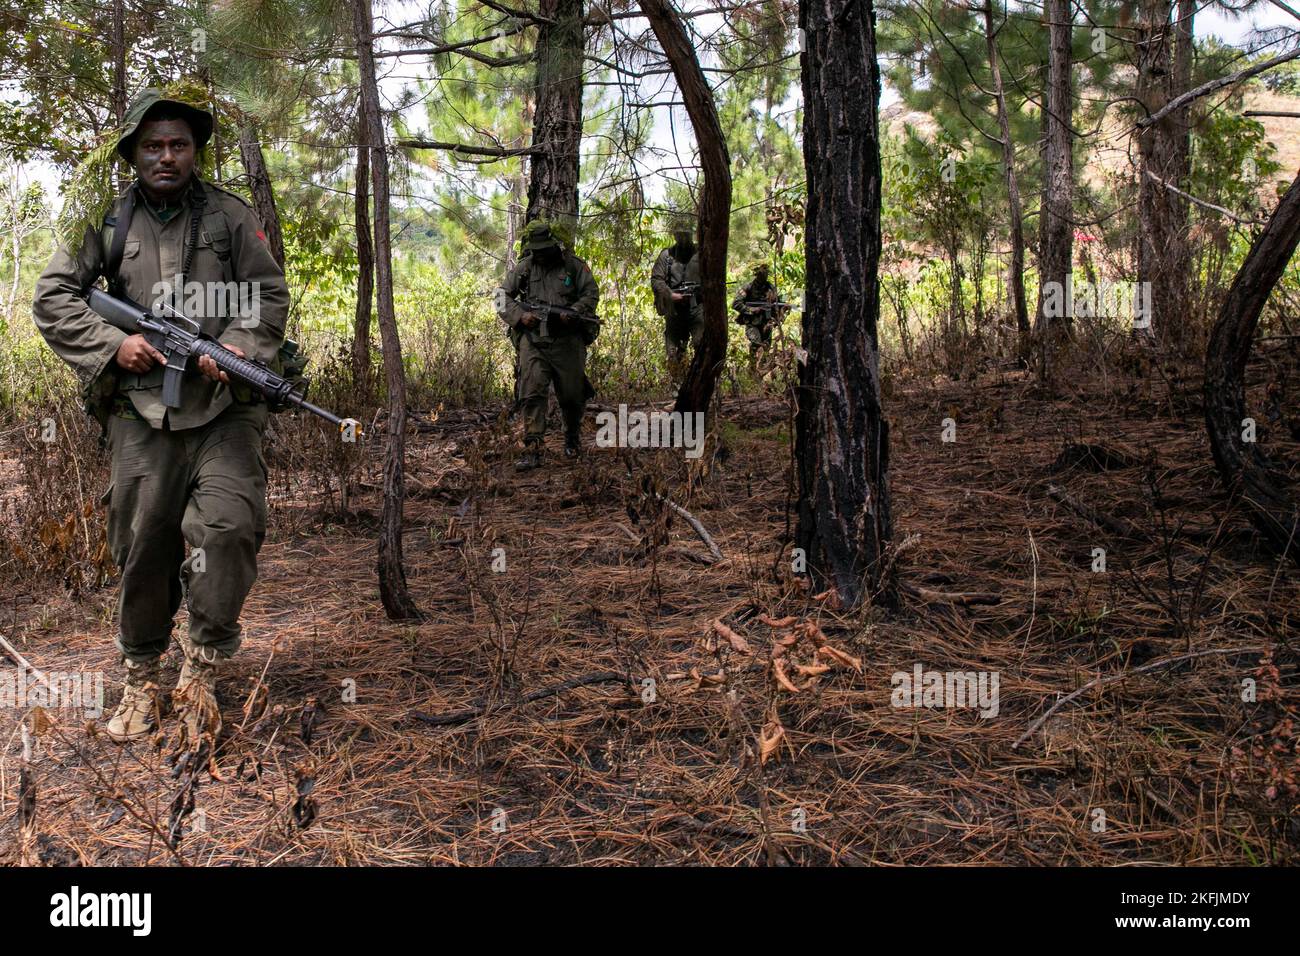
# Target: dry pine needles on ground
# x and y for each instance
(591, 685)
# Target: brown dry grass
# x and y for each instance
(1181, 767)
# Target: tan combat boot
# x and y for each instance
(195, 696)
(138, 712)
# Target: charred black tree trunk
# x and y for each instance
(557, 116)
(1017, 277)
(365, 269)
(841, 436)
(714, 208)
(259, 183)
(1056, 237)
(392, 575)
(1162, 213)
(1242, 466)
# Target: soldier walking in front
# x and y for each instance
(190, 475)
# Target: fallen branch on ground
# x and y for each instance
(961, 598)
(1103, 681)
(694, 522)
(1115, 525)
(464, 716)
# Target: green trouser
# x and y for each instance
(560, 362)
(205, 486)
(678, 329)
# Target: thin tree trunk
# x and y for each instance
(514, 220)
(715, 203)
(1056, 239)
(557, 116)
(118, 45)
(365, 267)
(1242, 466)
(392, 575)
(1162, 213)
(259, 181)
(841, 436)
(1016, 278)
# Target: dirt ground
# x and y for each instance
(580, 706)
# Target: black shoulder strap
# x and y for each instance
(523, 279)
(120, 228)
(196, 216)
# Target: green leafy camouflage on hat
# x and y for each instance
(563, 233)
(89, 192)
(174, 98)
(539, 234)
(758, 265)
(679, 222)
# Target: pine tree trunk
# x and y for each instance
(365, 268)
(259, 181)
(1242, 466)
(841, 436)
(1056, 237)
(1162, 214)
(701, 378)
(1016, 278)
(118, 46)
(557, 116)
(392, 575)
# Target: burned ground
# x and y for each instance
(583, 705)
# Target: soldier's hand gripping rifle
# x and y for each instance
(766, 310)
(562, 314)
(689, 291)
(181, 340)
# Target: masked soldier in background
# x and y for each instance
(675, 281)
(549, 302)
(190, 474)
(759, 309)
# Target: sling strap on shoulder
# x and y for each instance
(113, 267)
(122, 225)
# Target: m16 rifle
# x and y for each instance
(690, 291)
(181, 340)
(764, 309)
(564, 317)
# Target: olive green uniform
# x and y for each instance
(683, 320)
(190, 474)
(558, 357)
(758, 323)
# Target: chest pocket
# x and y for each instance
(130, 269)
(214, 241)
(547, 282)
(676, 273)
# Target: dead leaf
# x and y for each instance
(815, 634)
(40, 721)
(826, 651)
(812, 670)
(778, 622)
(831, 597)
(737, 642)
(769, 739)
(778, 671)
